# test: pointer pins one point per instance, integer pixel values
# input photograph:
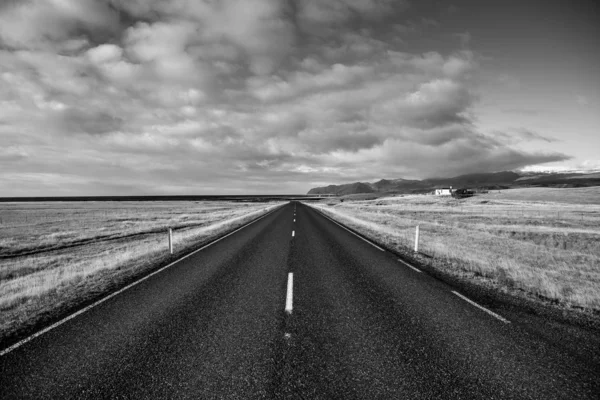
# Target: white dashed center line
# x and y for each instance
(290, 294)
(293, 233)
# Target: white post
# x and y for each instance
(171, 240)
(417, 239)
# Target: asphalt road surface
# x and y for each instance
(360, 325)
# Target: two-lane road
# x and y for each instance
(359, 324)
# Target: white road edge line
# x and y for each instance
(110, 296)
(410, 266)
(360, 237)
(493, 314)
(289, 299)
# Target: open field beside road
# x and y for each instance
(56, 255)
(545, 250)
(583, 195)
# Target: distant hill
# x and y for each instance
(357, 187)
(494, 180)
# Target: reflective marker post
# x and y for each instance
(171, 240)
(417, 239)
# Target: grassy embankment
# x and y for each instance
(544, 243)
(54, 256)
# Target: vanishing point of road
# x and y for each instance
(294, 306)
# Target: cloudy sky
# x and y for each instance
(104, 97)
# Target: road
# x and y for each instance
(361, 325)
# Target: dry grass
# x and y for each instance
(583, 195)
(548, 249)
(56, 255)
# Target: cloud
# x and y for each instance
(518, 135)
(185, 96)
(456, 66)
(434, 104)
(255, 30)
(590, 165)
(105, 53)
(466, 152)
(331, 11)
(46, 24)
(76, 120)
(334, 77)
(12, 154)
(587, 166)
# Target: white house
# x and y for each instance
(444, 191)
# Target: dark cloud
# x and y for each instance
(349, 137)
(90, 122)
(40, 24)
(339, 11)
(517, 135)
(527, 135)
(471, 152)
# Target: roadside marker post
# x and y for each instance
(171, 240)
(417, 239)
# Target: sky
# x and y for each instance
(156, 97)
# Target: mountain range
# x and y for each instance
(494, 180)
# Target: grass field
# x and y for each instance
(514, 241)
(584, 195)
(54, 256)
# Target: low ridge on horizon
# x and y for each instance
(482, 180)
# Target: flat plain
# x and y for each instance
(541, 242)
(57, 255)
